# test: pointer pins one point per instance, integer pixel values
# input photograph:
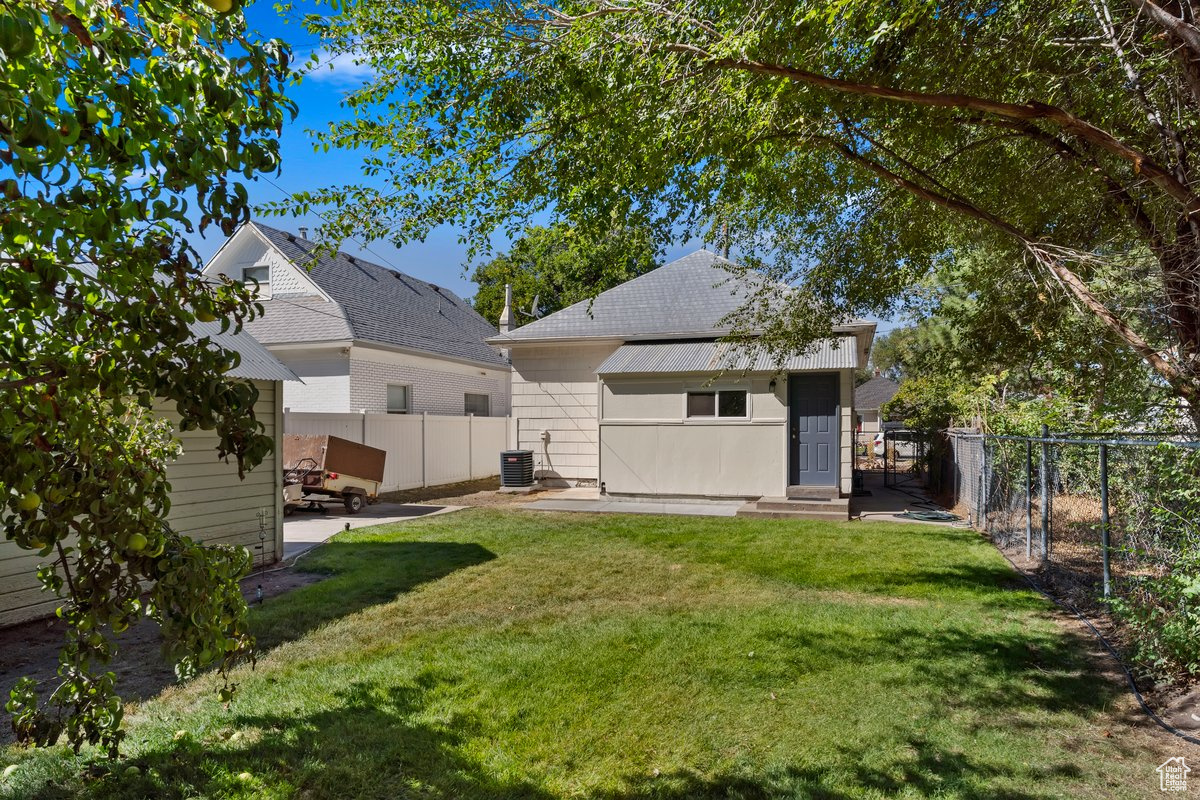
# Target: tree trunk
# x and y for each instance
(1180, 264)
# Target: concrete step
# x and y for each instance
(814, 492)
(840, 505)
(749, 510)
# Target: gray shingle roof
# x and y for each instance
(300, 319)
(717, 356)
(874, 393)
(257, 362)
(688, 296)
(375, 304)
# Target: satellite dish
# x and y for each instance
(535, 308)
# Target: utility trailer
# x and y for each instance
(320, 469)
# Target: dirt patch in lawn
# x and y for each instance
(31, 649)
(484, 492)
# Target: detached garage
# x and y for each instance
(637, 393)
(693, 419)
(208, 502)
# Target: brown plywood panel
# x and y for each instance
(334, 454)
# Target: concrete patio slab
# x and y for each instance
(708, 508)
(303, 530)
(884, 503)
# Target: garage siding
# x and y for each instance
(208, 503)
(650, 447)
(554, 390)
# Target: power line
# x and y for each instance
(288, 194)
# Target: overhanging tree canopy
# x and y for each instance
(856, 142)
(120, 126)
(554, 266)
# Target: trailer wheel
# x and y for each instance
(354, 503)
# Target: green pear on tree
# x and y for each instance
(123, 128)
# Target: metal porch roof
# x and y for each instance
(835, 353)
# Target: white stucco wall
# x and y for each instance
(648, 446)
(437, 385)
(632, 434)
(554, 389)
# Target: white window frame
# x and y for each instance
(264, 287)
(408, 397)
(716, 392)
(485, 396)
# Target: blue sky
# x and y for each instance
(439, 259)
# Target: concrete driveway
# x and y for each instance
(305, 530)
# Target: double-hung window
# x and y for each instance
(478, 404)
(398, 398)
(260, 274)
(719, 403)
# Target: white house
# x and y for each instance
(635, 394)
(208, 501)
(362, 336)
(869, 399)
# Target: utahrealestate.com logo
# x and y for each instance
(1172, 775)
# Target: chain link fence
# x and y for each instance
(1104, 524)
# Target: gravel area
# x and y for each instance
(31, 649)
(482, 492)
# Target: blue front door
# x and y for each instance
(813, 429)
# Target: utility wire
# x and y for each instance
(288, 195)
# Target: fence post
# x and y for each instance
(981, 497)
(1028, 499)
(1044, 480)
(424, 449)
(1104, 530)
(363, 434)
(470, 447)
(957, 470)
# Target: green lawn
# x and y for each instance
(510, 654)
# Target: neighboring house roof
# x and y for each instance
(257, 362)
(687, 298)
(372, 303)
(839, 353)
(301, 319)
(874, 393)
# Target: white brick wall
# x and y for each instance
(326, 379)
(438, 386)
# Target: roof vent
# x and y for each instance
(304, 233)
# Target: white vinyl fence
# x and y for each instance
(422, 449)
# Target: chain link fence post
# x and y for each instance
(985, 481)
(1104, 520)
(1028, 500)
(1044, 480)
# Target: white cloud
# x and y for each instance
(343, 69)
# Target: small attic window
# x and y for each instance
(260, 274)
